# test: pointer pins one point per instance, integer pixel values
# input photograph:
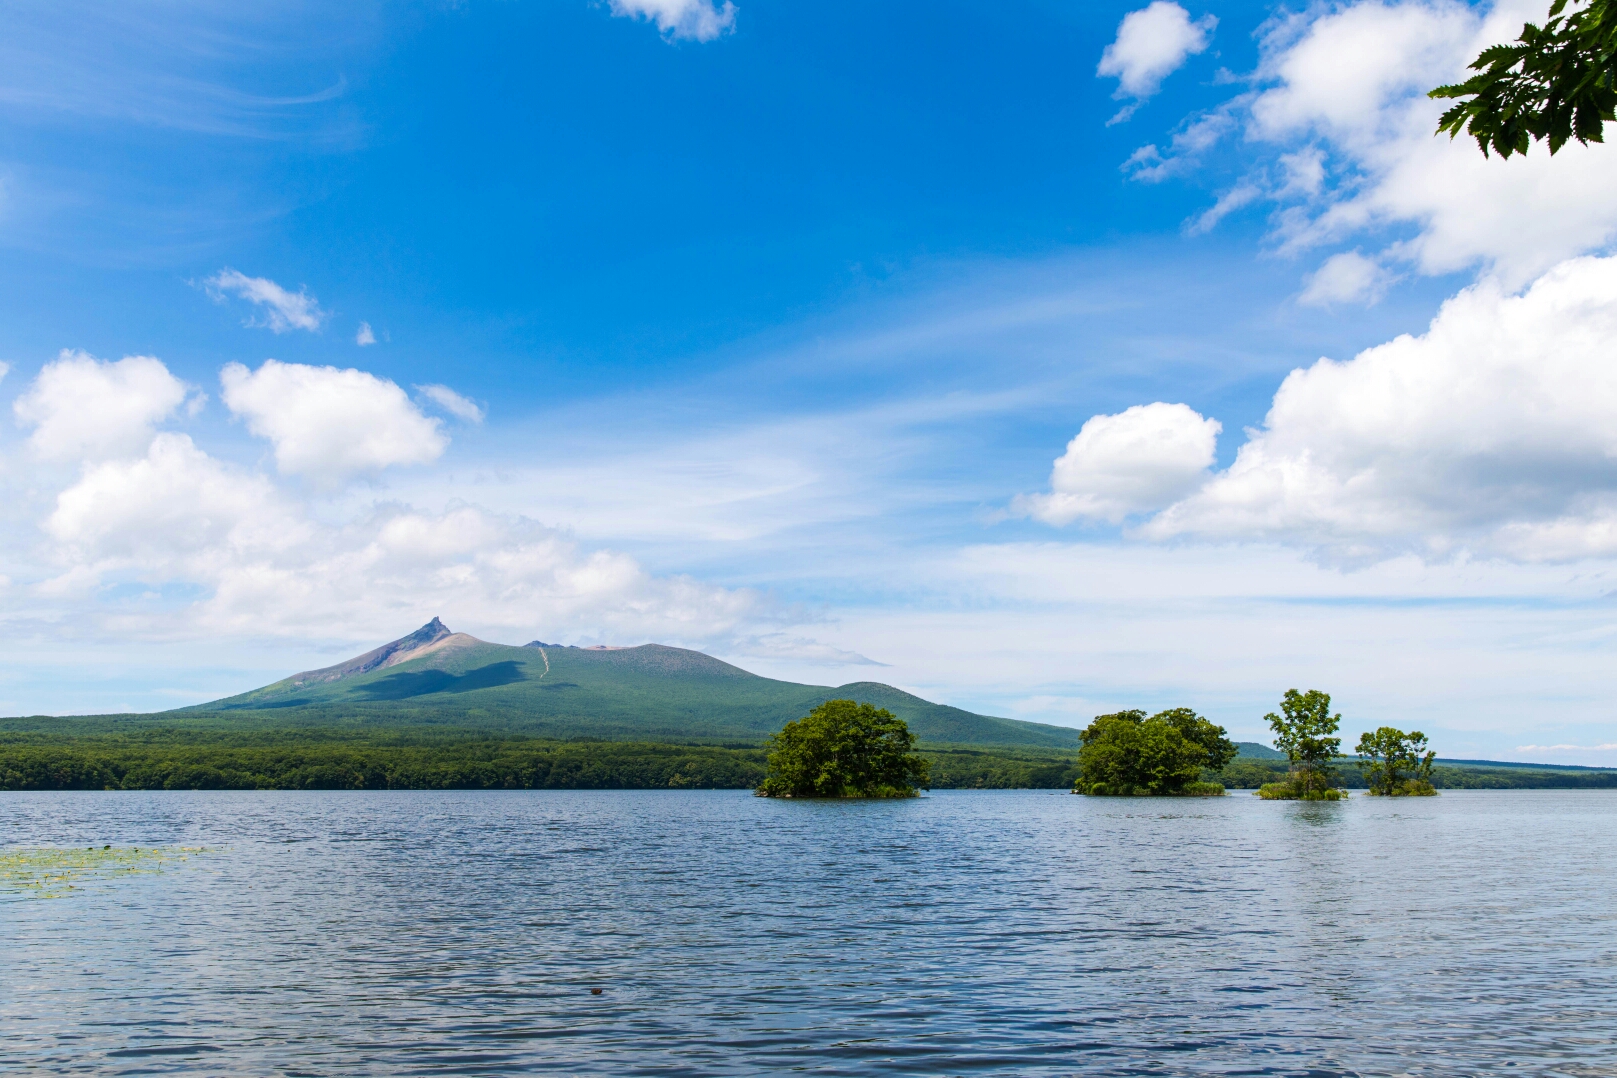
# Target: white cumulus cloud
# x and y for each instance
(81, 407)
(365, 336)
(164, 510)
(265, 566)
(1136, 461)
(1152, 43)
(281, 310)
(1343, 136)
(456, 405)
(1491, 432)
(331, 423)
(696, 20)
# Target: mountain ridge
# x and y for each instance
(429, 636)
(437, 676)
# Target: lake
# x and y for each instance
(1015, 932)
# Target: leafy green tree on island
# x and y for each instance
(844, 749)
(1553, 83)
(1303, 732)
(1393, 763)
(1127, 754)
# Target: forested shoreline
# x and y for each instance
(304, 759)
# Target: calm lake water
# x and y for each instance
(1028, 933)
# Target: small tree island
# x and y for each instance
(1394, 765)
(844, 749)
(1127, 754)
(1303, 732)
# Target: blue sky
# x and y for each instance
(765, 329)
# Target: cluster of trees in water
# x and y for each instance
(1127, 753)
(1171, 752)
(845, 749)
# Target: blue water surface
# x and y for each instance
(1027, 933)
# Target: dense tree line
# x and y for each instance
(1008, 769)
(449, 759)
(299, 764)
(302, 759)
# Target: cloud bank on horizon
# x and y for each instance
(151, 506)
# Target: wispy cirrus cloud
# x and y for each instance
(281, 309)
(463, 408)
(1347, 277)
(151, 66)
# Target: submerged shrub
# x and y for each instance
(1299, 791)
(1203, 789)
(1411, 788)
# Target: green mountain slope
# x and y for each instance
(439, 677)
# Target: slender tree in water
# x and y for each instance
(1303, 732)
(1395, 763)
(844, 749)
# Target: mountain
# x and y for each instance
(1251, 750)
(436, 676)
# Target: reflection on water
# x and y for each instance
(1027, 933)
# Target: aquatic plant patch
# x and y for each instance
(57, 873)
(1299, 791)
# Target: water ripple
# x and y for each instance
(1025, 933)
